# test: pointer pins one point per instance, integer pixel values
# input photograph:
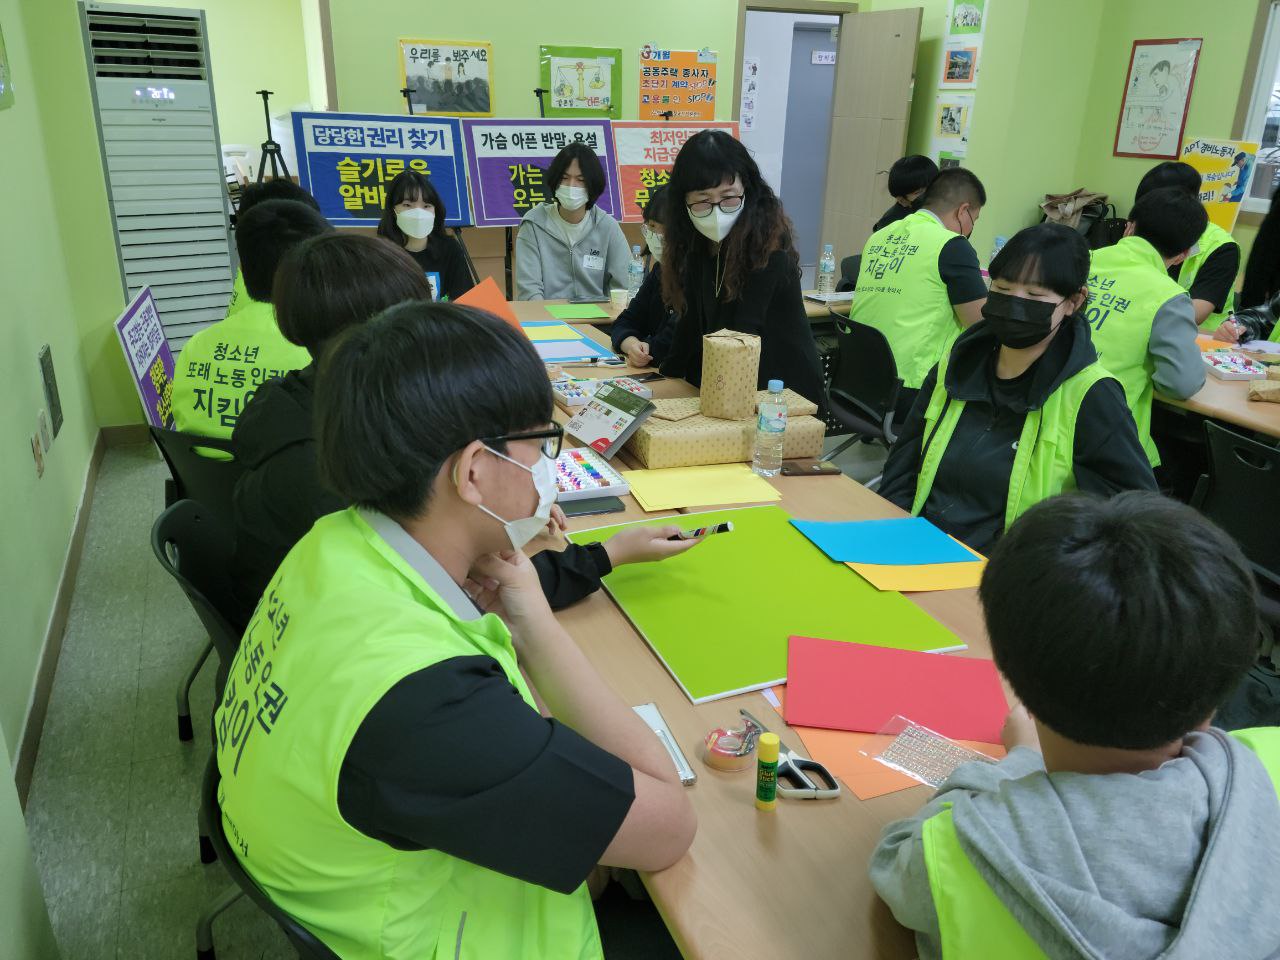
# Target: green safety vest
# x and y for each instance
(1128, 284)
(343, 620)
(972, 921)
(239, 296)
(1044, 463)
(221, 368)
(1212, 238)
(901, 294)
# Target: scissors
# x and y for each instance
(807, 779)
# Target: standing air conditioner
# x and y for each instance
(153, 100)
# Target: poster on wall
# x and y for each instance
(1157, 91)
(584, 81)
(750, 86)
(347, 160)
(967, 18)
(447, 78)
(507, 161)
(1226, 169)
(646, 151)
(6, 77)
(677, 84)
(960, 64)
(952, 115)
(150, 361)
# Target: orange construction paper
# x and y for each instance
(485, 295)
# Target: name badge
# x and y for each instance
(591, 261)
(433, 278)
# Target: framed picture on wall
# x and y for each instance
(583, 81)
(1157, 91)
(447, 78)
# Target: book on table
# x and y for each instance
(609, 419)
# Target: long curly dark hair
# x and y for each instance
(707, 160)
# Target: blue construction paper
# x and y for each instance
(906, 541)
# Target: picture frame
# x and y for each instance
(1157, 93)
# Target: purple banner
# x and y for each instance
(150, 361)
(507, 162)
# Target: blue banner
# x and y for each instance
(347, 161)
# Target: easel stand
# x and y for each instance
(270, 149)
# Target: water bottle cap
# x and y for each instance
(775, 386)
(827, 248)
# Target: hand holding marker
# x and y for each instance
(699, 532)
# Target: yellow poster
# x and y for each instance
(1226, 167)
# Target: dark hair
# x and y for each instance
(1049, 254)
(588, 163)
(952, 187)
(1171, 173)
(1122, 622)
(397, 396)
(1262, 272)
(277, 188)
(337, 280)
(410, 185)
(1240, 156)
(655, 211)
(706, 160)
(1170, 219)
(911, 173)
(266, 233)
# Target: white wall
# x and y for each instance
(768, 39)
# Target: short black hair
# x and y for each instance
(1170, 219)
(655, 210)
(266, 233)
(1049, 254)
(1171, 173)
(1239, 156)
(911, 173)
(336, 280)
(277, 188)
(952, 187)
(410, 185)
(399, 395)
(1123, 622)
(588, 163)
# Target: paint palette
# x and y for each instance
(1233, 366)
(572, 395)
(582, 474)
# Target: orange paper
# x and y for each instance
(485, 295)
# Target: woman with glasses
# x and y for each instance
(385, 769)
(729, 262)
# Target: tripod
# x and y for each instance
(270, 149)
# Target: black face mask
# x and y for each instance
(1017, 322)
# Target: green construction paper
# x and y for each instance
(719, 616)
(601, 79)
(576, 311)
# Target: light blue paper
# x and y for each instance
(903, 541)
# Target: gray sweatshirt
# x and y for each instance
(548, 267)
(1177, 370)
(1178, 863)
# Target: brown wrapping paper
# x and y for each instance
(680, 408)
(1267, 390)
(730, 366)
(697, 440)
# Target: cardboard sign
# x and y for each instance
(646, 150)
(150, 361)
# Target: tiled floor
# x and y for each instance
(112, 809)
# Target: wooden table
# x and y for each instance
(793, 882)
(1228, 401)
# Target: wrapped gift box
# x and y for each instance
(696, 440)
(730, 366)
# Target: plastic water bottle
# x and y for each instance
(635, 273)
(997, 246)
(771, 425)
(827, 272)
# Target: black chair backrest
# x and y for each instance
(196, 477)
(866, 376)
(196, 548)
(308, 945)
(849, 267)
(1241, 494)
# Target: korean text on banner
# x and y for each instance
(1226, 168)
(508, 160)
(646, 151)
(150, 361)
(682, 82)
(347, 160)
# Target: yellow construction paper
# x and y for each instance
(677, 487)
(920, 577)
(553, 331)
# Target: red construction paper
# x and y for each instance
(485, 295)
(852, 686)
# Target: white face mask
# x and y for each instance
(521, 532)
(653, 241)
(716, 224)
(416, 222)
(571, 198)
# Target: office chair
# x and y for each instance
(849, 268)
(865, 385)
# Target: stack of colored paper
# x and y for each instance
(677, 487)
(907, 554)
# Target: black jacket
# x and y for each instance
(971, 488)
(894, 214)
(443, 256)
(647, 318)
(281, 495)
(770, 306)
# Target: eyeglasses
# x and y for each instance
(727, 205)
(552, 439)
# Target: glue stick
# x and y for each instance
(767, 771)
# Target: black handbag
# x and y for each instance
(1100, 226)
